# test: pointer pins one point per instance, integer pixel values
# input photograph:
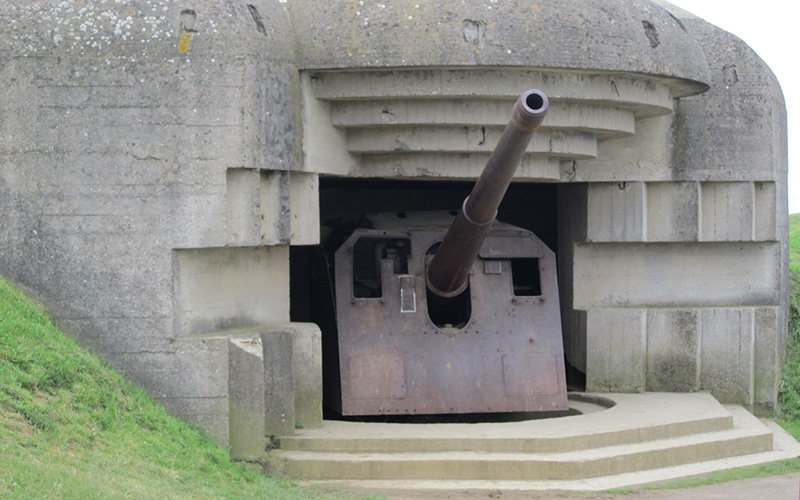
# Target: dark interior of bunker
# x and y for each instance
(344, 204)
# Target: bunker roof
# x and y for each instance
(620, 36)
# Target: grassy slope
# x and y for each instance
(789, 395)
(72, 428)
(794, 243)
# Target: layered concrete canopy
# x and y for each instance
(160, 163)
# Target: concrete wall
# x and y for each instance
(146, 193)
(709, 308)
(157, 160)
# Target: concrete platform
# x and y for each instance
(621, 440)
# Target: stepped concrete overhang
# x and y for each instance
(419, 89)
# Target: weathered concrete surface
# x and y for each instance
(222, 288)
(769, 327)
(672, 211)
(673, 343)
(120, 125)
(426, 123)
(605, 35)
(724, 194)
(274, 378)
(307, 366)
(246, 401)
(785, 487)
(278, 355)
(676, 274)
(727, 211)
(727, 353)
(616, 346)
(608, 420)
(749, 143)
(616, 212)
(191, 381)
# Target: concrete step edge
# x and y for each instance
(763, 439)
(483, 444)
(501, 466)
(358, 444)
(785, 447)
(578, 432)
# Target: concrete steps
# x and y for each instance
(523, 466)
(632, 418)
(640, 432)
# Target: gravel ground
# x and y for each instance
(785, 487)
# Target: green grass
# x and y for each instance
(71, 428)
(794, 243)
(788, 414)
(765, 470)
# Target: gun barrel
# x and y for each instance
(448, 271)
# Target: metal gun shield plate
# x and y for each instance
(504, 354)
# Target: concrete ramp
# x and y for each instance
(619, 440)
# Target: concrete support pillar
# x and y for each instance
(673, 211)
(727, 211)
(246, 423)
(767, 358)
(615, 344)
(616, 211)
(257, 207)
(278, 382)
(307, 374)
(274, 385)
(673, 342)
(728, 354)
(304, 203)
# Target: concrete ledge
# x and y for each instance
(634, 418)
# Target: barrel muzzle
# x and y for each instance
(529, 111)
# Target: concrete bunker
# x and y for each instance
(147, 162)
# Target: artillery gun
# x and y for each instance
(449, 312)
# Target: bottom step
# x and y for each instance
(785, 447)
